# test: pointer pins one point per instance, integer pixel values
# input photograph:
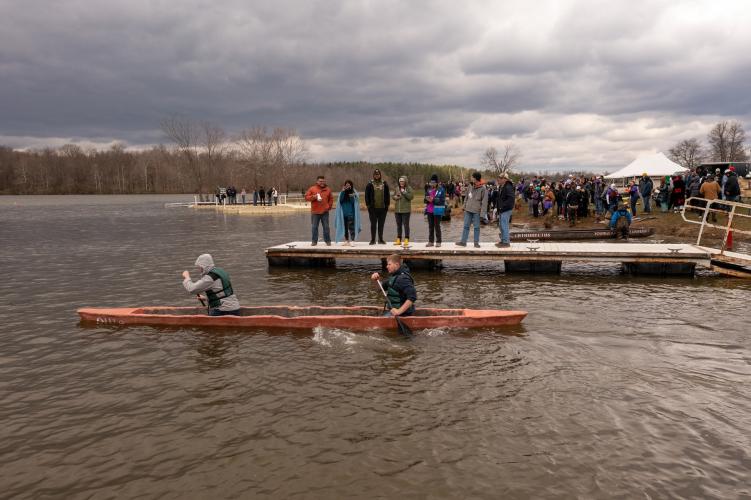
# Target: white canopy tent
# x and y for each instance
(655, 165)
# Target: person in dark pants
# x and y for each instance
(321, 200)
(435, 207)
(377, 199)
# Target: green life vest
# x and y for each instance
(394, 297)
(219, 274)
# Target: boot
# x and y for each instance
(398, 242)
(406, 242)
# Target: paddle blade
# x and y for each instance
(403, 329)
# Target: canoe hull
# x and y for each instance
(294, 317)
(578, 234)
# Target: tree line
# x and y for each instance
(200, 158)
(725, 143)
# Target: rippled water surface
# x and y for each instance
(612, 387)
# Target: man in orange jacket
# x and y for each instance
(321, 200)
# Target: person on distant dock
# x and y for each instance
(475, 208)
(621, 222)
(402, 210)
(399, 287)
(321, 200)
(377, 199)
(347, 215)
(215, 283)
(261, 196)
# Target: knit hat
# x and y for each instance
(434, 178)
(403, 178)
(731, 168)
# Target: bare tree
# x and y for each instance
(186, 135)
(501, 163)
(213, 141)
(726, 141)
(688, 153)
(290, 150)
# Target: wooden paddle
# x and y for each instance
(403, 329)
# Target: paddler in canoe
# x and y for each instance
(215, 283)
(398, 286)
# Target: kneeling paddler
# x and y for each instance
(215, 283)
(399, 287)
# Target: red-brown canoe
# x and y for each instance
(349, 318)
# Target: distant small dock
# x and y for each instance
(534, 256)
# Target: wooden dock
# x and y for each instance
(635, 258)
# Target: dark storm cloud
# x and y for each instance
(356, 70)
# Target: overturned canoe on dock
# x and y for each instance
(304, 317)
(578, 234)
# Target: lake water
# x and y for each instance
(613, 386)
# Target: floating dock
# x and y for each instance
(546, 257)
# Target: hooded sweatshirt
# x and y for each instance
(206, 263)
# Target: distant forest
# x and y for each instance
(202, 158)
(70, 170)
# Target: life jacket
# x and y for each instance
(394, 298)
(214, 297)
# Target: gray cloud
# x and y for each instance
(437, 81)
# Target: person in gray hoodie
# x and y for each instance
(215, 283)
(475, 208)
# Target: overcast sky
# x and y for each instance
(574, 84)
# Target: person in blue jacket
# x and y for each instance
(347, 215)
(621, 222)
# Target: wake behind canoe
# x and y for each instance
(302, 317)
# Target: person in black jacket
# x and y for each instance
(377, 199)
(732, 189)
(506, 199)
(399, 287)
(573, 198)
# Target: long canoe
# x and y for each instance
(304, 317)
(578, 234)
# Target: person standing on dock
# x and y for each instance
(402, 210)
(347, 215)
(435, 207)
(261, 196)
(506, 200)
(475, 208)
(321, 201)
(215, 283)
(399, 287)
(377, 199)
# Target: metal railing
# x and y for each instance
(731, 209)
